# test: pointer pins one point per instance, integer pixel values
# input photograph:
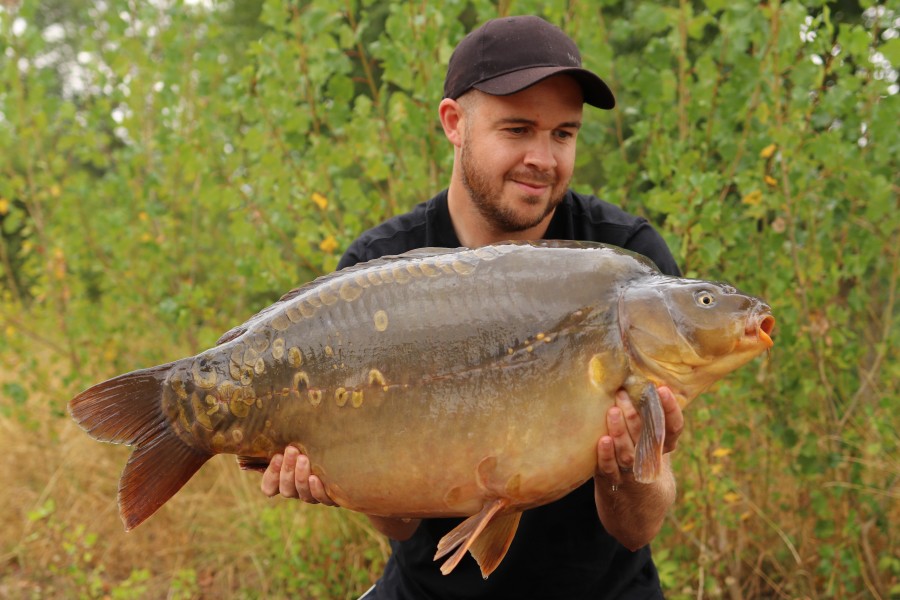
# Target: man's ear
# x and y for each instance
(451, 115)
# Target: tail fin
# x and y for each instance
(128, 410)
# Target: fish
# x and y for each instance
(420, 385)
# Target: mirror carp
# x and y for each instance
(437, 383)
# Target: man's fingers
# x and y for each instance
(623, 445)
(317, 489)
(290, 475)
(301, 477)
(269, 483)
(606, 459)
(287, 485)
(630, 414)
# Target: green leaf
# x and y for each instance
(15, 392)
(891, 51)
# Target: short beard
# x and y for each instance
(487, 200)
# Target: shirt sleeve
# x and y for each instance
(353, 255)
(647, 241)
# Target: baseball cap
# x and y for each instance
(509, 54)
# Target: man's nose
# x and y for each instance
(540, 153)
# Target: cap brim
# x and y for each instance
(596, 92)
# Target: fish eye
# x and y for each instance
(704, 298)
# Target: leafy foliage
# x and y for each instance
(170, 168)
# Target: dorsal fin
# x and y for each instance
(419, 253)
(584, 246)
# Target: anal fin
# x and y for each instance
(464, 535)
(648, 454)
(491, 546)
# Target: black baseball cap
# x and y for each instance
(509, 54)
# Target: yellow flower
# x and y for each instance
(768, 151)
(721, 452)
(771, 180)
(320, 200)
(753, 198)
(59, 264)
(110, 353)
(4, 206)
(328, 245)
(731, 497)
(54, 190)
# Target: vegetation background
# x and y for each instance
(168, 168)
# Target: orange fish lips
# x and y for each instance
(761, 328)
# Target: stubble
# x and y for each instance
(487, 197)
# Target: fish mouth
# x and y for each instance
(762, 330)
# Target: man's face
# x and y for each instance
(518, 152)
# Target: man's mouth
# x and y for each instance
(532, 187)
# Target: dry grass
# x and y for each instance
(757, 523)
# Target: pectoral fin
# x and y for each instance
(648, 454)
(486, 537)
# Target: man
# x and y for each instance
(512, 108)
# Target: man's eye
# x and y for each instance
(564, 135)
(516, 130)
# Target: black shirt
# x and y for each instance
(560, 550)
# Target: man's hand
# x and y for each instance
(633, 512)
(289, 474)
(616, 451)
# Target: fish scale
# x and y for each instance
(436, 383)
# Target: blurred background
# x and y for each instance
(168, 168)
